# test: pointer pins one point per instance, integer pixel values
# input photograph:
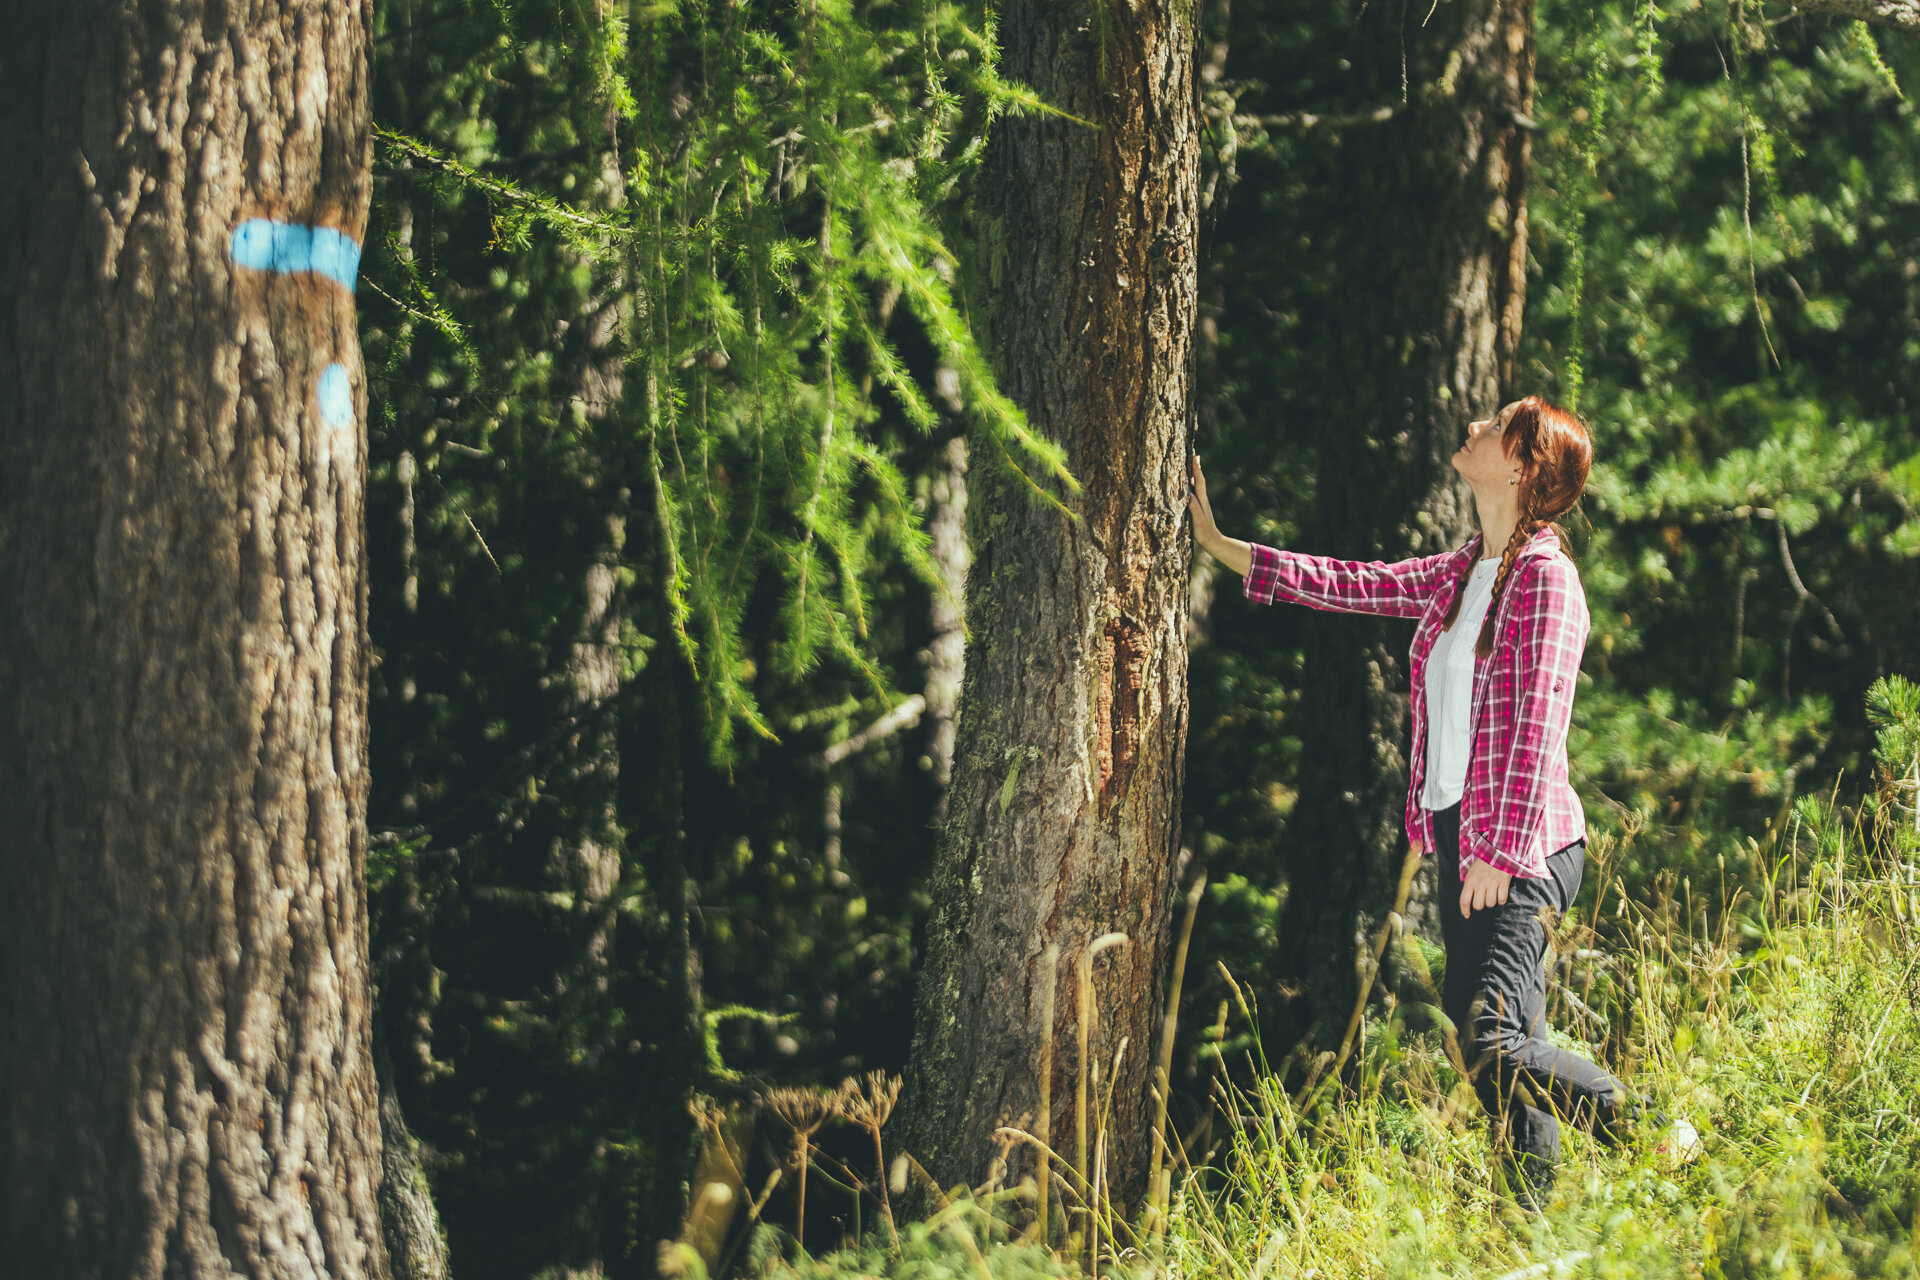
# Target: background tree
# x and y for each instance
(1067, 771)
(1396, 167)
(186, 1071)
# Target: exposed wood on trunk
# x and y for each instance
(186, 1077)
(1064, 814)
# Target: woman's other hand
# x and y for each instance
(1485, 886)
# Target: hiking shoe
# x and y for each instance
(1632, 1121)
(1678, 1145)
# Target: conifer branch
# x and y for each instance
(1901, 15)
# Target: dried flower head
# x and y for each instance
(869, 1102)
(804, 1110)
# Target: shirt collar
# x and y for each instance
(1544, 542)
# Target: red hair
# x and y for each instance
(1555, 452)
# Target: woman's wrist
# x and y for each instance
(1231, 552)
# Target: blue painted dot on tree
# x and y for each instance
(336, 396)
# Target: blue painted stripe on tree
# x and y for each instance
(266, 245)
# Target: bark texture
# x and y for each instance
(1064, 812)
(416, 1247)
(185, 1069)
(1433, 281)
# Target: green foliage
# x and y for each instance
(1725, 256)
(772, 230)
(1893, 708)
(656, 300)
(758, 220)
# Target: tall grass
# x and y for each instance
(1779, 1013)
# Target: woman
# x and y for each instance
(1496, 654)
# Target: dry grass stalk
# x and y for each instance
(1049, 966)
(717, 1192)
(803, 1111)
(1160, 1177)
(869, 1104)
(1088, 1015)
(1369, 975)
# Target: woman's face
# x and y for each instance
(1483, 460)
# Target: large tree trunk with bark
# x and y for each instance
(185, 1070)
(1065, 805)
(1433, 277)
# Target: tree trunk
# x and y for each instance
(661, 744)
(945, 655)
(416, 1247)
(1433, 279)
(1065, 805)
(185, 1069)
(585, 855)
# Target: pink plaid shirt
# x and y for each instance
(1518, 806)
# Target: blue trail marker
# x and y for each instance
(281, 246)
(265, 245)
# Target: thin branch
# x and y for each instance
(902, 716)
(1308, 120)
(1901, 15)
(1800, 588)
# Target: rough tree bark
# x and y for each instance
(1065, 807)
(185, 1069)
(1422, 341)
(416, 1245)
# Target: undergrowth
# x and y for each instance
(1784, 1023)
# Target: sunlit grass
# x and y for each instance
(1780, 1014)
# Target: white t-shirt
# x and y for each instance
(1449, 692)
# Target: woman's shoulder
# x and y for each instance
(1547, 576)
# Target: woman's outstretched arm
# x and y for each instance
(1400, 589)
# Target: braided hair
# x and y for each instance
(1555, 452)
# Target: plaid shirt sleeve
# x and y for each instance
(1399, 590)
(1527, 725)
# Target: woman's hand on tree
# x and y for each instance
(1204, 528)
(1485, 886)
(1233, 553)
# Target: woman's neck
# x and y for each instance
(1499, 513)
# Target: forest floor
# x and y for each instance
(1789, 1035)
